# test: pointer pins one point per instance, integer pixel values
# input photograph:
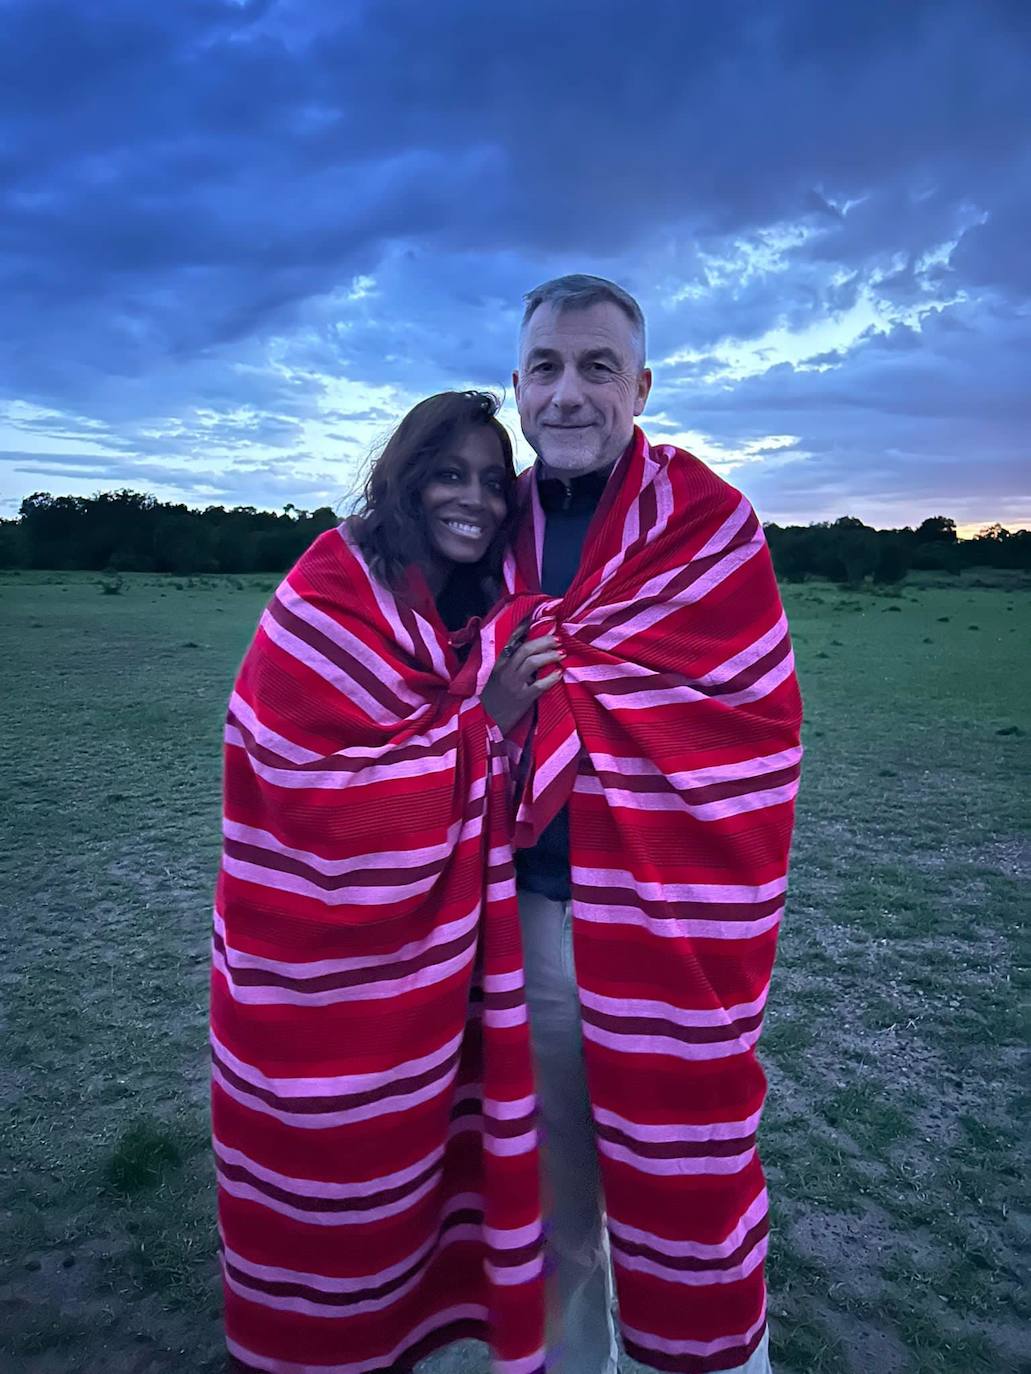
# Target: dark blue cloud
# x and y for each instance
(222, 206)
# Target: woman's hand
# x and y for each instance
(514, 685)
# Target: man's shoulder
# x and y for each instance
(694, 478)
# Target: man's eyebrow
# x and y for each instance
(602, 353)
(538, 351)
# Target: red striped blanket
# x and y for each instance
(372, 1098)
(675, 738)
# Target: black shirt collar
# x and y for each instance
(565, 493)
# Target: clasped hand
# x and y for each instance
(516, 682)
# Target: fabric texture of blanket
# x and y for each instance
(674, 738)
(372, 1098)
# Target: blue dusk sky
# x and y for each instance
(239, 238)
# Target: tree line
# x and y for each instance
(130, 531)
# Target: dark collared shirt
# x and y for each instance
(568, 509)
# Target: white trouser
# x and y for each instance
(581, 1336)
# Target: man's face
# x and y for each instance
(579, 386)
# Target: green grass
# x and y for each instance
(894, 1139)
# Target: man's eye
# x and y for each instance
(600, 367)
(543, 367)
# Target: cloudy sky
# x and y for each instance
(238, 238)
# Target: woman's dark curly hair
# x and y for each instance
(389, 525)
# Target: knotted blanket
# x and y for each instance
(372, 1098)
(674, 737)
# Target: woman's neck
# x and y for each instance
(437, 572)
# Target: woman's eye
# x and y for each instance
(447, 475)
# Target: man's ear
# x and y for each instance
(515, 385)
(644, 386)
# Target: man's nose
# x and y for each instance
(568, 392)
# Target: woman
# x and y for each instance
(372, 1099)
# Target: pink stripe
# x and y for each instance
(335, 780)
(503, 982)
(681, 1016)
(763, 686)
(696, 1249)
(351, 644)
(688, 1165)
(325, 1120)
(746, 657)
(697, 591)
(736, 893)
(337, 1085)
(325, 668)
(700, 777)
(560, 758)
(649, 1341)
(512, 1237)
(462, 1312)
(265, 737)
(717, 1130)
(664, 1044)
(675, 928)
(509, 1276)
(387, 858)
(317, 1188)
(306, 1306)
(509, 1145)
(668, 801)
(511, 1110)
(358, 894)
(694, 1278)
(248, 1193)
(271, 995)
(504, 1016)
(719, 541)
(315, 968)
(384, 600)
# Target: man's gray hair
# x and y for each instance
(578, 291)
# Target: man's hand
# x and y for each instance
(514, 685)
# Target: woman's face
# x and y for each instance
(464, 496)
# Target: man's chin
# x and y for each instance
(569, 459)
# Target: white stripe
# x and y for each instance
(354, 647)
(677, 928)
(684, 1167)
(389, 859)
(681, 1016)
(717, 1130)
(719, 810)
(329, 1311)
(630, 1042)
(696, 1249)
(699, 1278)
(736, 894)
(316, 968)
(335, 1085)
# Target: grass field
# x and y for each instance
(894, 1137)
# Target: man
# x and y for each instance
(655, 823)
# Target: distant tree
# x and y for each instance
(14, 547)
(937, 529)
